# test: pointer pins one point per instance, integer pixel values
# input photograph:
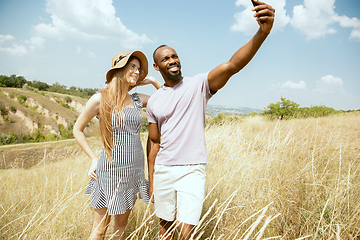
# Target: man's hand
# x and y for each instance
(264, 16)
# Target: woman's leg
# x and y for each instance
(121, 221)
(101, 222)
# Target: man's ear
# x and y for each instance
(156, 67)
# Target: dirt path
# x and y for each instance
(32, 154)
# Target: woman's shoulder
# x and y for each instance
(96, 98)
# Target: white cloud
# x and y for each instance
(21, 50)
(16, 50)
(353, 23)
(36, 43)
(4, 38)
(289, 85)
(315, 19)
(329, 85)
(87, 19)
(294, 86)
(246, 23)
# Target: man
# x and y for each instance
(176, 113)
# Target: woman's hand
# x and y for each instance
(149, 80)
(92, 169)
(146, 81)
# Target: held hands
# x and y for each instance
(264, 15)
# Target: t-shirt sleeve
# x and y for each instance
(150, 117)
(205, 86)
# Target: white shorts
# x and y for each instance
(179, 190)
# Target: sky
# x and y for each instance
(311, 57)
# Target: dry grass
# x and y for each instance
(296, 179)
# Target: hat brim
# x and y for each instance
(138, 54)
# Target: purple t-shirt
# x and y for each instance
(179, 113)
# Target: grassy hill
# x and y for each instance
(24, 112)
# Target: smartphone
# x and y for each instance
(255, 4)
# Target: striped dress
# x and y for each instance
(120, 183)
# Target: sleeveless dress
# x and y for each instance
(120, 183)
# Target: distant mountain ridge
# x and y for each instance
(216, 109)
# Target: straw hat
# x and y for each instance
(120, 60)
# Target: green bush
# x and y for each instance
(21, 98)
(12, 108)
(286, 109)
(283, 109)
(3, 110)
(65, 105)
(218, 120)
(67, 99)
(7, 138)
(66, 133)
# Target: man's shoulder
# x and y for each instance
(197, 79)
(157, 94)
(198, 76)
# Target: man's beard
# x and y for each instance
(174, 77)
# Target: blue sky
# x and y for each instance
(311, 57)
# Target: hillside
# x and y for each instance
(24, 112)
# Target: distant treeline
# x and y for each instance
(20, 82)
(287, 109)
(282, 110)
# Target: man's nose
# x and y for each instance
(172, 60)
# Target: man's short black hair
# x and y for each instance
(163, 45)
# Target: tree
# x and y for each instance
(40, 85)
(283, 109)
(57, 87)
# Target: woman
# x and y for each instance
(118, 175)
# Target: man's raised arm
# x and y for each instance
(219, 76)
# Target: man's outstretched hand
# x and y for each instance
(264, 15)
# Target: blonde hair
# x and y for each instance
(112, 102)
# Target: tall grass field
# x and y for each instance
(293, 179)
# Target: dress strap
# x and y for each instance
(136, 100)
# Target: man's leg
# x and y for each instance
(185, 230)
(165, 199)
(166, 229)
(190, 196)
